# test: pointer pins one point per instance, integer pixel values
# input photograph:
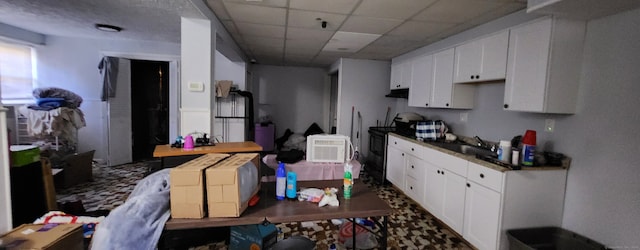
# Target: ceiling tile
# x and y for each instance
(349, 41)
(309, 34)
(456, 11)
(264, 41)
(302, 44)
(418, 31)
(309, 20)
(309, 50)
(331, 6)
(217, 6)
(260, 30)
(370, 25)
(271, 3)
(256, 14)
(391, 9)
(501, 11)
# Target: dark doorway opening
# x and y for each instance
(149, 107)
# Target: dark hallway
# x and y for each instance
(149, 107)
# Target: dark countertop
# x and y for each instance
(472, 158)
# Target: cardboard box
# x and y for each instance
(228, 182)
(47, 236)
(187, 186)
(24, 154)
(252, 237)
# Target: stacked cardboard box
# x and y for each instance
(224, 186)
(188, 186)
(41, 237)
(211, 182)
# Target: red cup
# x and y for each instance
(529, 137)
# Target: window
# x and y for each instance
(17, 73)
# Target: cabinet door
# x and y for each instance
(481, 216)
(396, 76)
(442, 79)
(482, 60)
(433, 192)
(493, 64)
(467, 61)
(453, 202)
(395, 166)
(527, 69)
(421, 82)
(406, 71)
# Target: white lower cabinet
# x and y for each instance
(478, 202)
(395, 166)
(453, 200)
(481, 216)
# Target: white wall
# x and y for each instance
(362, 85)
(72, 63)
(292, 96)
(230, 130)
(603, 191)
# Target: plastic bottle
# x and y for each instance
(348, 180)
(291, 185)
(281, 181)
(504, 151)
(332, 247)
(528, 147)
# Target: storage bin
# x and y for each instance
(549, 238)
(22, 155)
(265, 136)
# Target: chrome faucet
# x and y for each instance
(485, 145)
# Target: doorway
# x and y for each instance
(149, 107)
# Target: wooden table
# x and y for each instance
(363, 203)
(166, 150)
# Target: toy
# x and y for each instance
(329, 197)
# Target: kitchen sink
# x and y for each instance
(464, 148)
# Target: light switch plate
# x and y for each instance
(196, 86)
(464, 117)
(549, 125)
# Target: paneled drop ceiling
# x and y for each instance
(291, 32)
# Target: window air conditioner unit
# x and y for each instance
(328, 148)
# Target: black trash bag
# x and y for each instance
(290, 156)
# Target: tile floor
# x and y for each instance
(410, 227)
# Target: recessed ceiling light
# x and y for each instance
(108, 28)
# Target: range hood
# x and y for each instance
(399, 93)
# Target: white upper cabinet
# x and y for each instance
(543, 72)
(401, 75)
(432, 84)
(422, 81)
(480, 60)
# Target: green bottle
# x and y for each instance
(348, 181)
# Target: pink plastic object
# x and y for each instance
(188, 142)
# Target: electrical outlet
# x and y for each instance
(549, 125)
(464, 117)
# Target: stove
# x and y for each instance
(376, 160)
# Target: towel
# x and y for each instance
(223, 87)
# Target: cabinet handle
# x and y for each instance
(506, 106)
(477, 76)
(481, 175)
(471, 77)
(442, 172)
(395, 142)
(447, 105)
(411, 188)
(412, 149)
(402, 154)
(468, 185)
(412, 166)
(426, 104)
